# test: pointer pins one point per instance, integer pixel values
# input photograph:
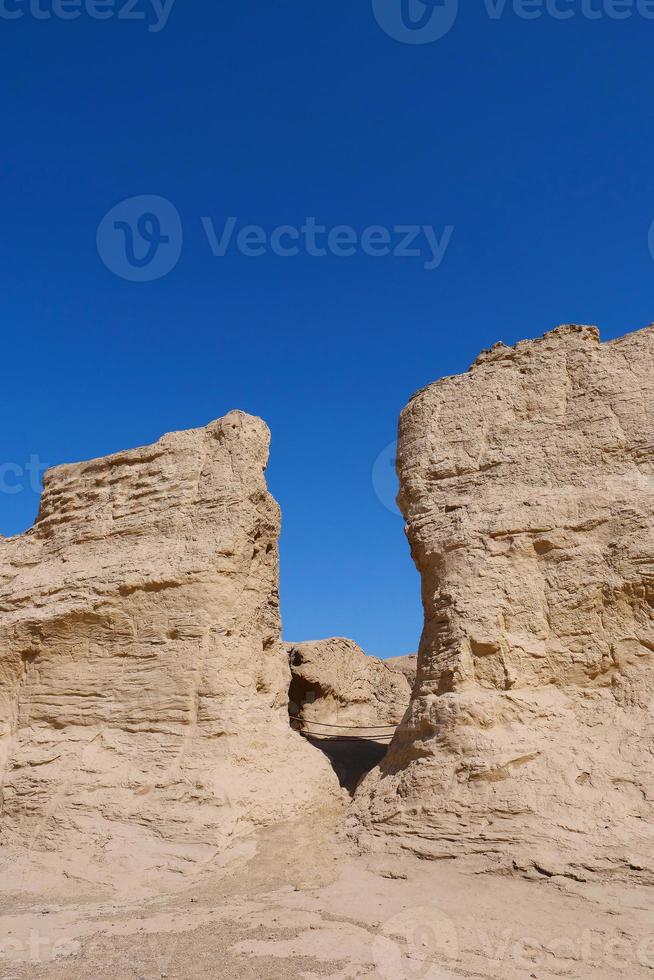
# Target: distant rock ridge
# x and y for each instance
(143, 682)
(527, 486)
(335, 682)
(406, 664)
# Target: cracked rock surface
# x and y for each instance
(527, 485)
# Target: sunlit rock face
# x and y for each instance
(335, 682)
(143, 682)
(527, 485)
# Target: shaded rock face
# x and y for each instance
(407, 665)
(143, 682)
(528, 490)
(335, 682)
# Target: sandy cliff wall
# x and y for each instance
(528, 491)
(143, 682)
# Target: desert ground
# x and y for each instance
(298, 901)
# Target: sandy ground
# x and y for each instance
(297, 902)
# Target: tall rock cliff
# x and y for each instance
(528, 491)
(143, 682)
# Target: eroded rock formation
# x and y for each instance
(336, 683)
(143, 682)
(407, 665)
(528, 490)
(346, 703)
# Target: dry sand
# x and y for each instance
(297, 902)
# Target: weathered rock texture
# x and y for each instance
(336, 683)
(143, 682)
(407, 665)
(528, 491)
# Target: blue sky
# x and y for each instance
(531, 140)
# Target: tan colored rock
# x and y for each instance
(528, 490)
(143, 682)
(407, 665)
(336, 683)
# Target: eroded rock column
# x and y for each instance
(143, 682)
(528, 490)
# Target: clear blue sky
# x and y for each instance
(533, 138)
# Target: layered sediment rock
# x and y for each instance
(336, 683)
(528, 490)
(143, 682)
